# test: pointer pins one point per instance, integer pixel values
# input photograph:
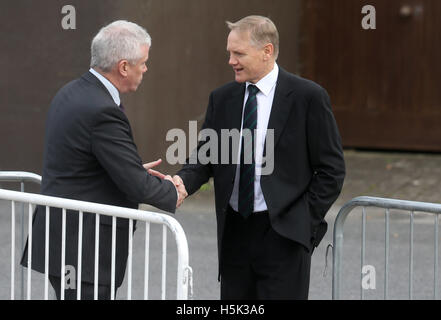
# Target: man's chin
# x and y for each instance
(239, 79)
(133, 89)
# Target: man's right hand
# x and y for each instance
(179, 185)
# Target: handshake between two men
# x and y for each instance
(267, 225)
(176, 180)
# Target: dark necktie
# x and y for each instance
(122, 107)
(247, 169)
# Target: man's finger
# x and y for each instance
(156, 173)
(152, 164)
(177, 182)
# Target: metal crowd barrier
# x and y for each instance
(184, 272)
(387, 204)
(23, 178)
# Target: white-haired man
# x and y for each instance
(90, 155)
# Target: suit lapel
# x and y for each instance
(233, 118)
(281, 106)
(235, 108)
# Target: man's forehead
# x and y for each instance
(145, 50)
(238, 40)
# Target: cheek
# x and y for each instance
(247, 64)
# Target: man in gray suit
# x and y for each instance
(90, 155)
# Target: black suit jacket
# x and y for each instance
(89, 155)
(308, 159)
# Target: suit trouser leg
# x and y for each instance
(87, 290)
(258, 263)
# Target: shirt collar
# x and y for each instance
(267, 83)
(109, 86)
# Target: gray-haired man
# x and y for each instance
(90, 155)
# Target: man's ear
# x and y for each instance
(122, 67)
(268, 51)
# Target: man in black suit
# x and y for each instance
(268, 223)
(90, 155)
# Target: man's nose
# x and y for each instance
(232, 61)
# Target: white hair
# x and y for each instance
(117, 41)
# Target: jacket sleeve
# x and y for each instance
(193, 173)
(113, 146)
(326, 156)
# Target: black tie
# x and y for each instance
(122, 107)
(247, 165)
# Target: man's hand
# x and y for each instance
(179, 185)
(176, 180)
(150, 165)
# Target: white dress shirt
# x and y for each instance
(265, 98)
(109, 86)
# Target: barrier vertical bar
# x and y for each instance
(363, 248)
(164, 261)
(386, 255)
(411, 257)
(337, 253)
(112, 279)
(97, 246)
(80, 251)
(63, 253)
(29, 252)
(46, 256)
(22, 241)
(13, 250)
(129, 261)
(435, 273)
(146, 260)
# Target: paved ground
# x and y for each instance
(391, 175)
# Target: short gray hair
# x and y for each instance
(262, 31)
(117, 41)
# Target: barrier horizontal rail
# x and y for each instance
(184, 272)
(19, 176)
(387, 204)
